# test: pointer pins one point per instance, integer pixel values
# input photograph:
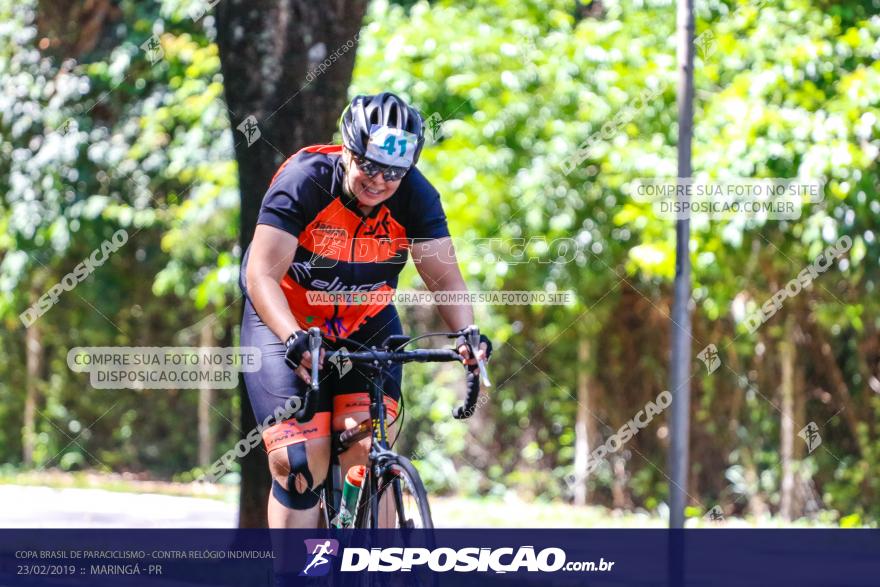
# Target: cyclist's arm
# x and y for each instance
(436, 262)
(271, 253)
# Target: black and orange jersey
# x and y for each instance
(340, 249)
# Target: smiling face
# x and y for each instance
(369, 191)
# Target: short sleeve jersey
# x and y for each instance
(339, 249)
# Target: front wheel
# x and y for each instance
(402, 499)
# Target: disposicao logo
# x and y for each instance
(318, 562)
(441, 560)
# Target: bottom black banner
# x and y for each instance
(441, 557)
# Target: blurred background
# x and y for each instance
(123, 114)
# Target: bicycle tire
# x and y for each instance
(413, 496)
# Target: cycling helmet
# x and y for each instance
(382, 110)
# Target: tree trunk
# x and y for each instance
(269, 50)
(74, 28)
(620, 494)
(825, 356)
(206, 399)
(34, 361)
(581, 427)
(806, 499)
(757, 506)
(787, 429)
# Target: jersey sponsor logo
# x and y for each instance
(330, 243)
(338, 285)
(331, 232)
(380, 229)
(302, 271)
(335, 326)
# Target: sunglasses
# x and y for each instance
(371, 169)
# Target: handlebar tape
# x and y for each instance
(473, 392)
(309, 407)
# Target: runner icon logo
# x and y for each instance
(318, 553)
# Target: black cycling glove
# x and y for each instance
(483, 338)
(297, 344)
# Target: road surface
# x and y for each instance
(45, 507)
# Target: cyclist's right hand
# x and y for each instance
(298, 356)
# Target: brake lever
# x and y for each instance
(315, 351)
(472, 336)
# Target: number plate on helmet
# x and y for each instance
(391, 146)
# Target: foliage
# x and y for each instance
(114, 140)
(782, 91)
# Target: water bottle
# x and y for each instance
(350, 490)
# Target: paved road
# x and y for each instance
(44, 507)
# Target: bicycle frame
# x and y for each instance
(376, 465)
(378, 446)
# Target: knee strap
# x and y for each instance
(299, 465)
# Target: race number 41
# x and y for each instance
(391, 146)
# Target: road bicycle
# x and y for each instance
(391, 493)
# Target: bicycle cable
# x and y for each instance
(402, 415)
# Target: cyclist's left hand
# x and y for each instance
(484, 352)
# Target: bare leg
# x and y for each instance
(318, 455)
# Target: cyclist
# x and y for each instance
(339, 218)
